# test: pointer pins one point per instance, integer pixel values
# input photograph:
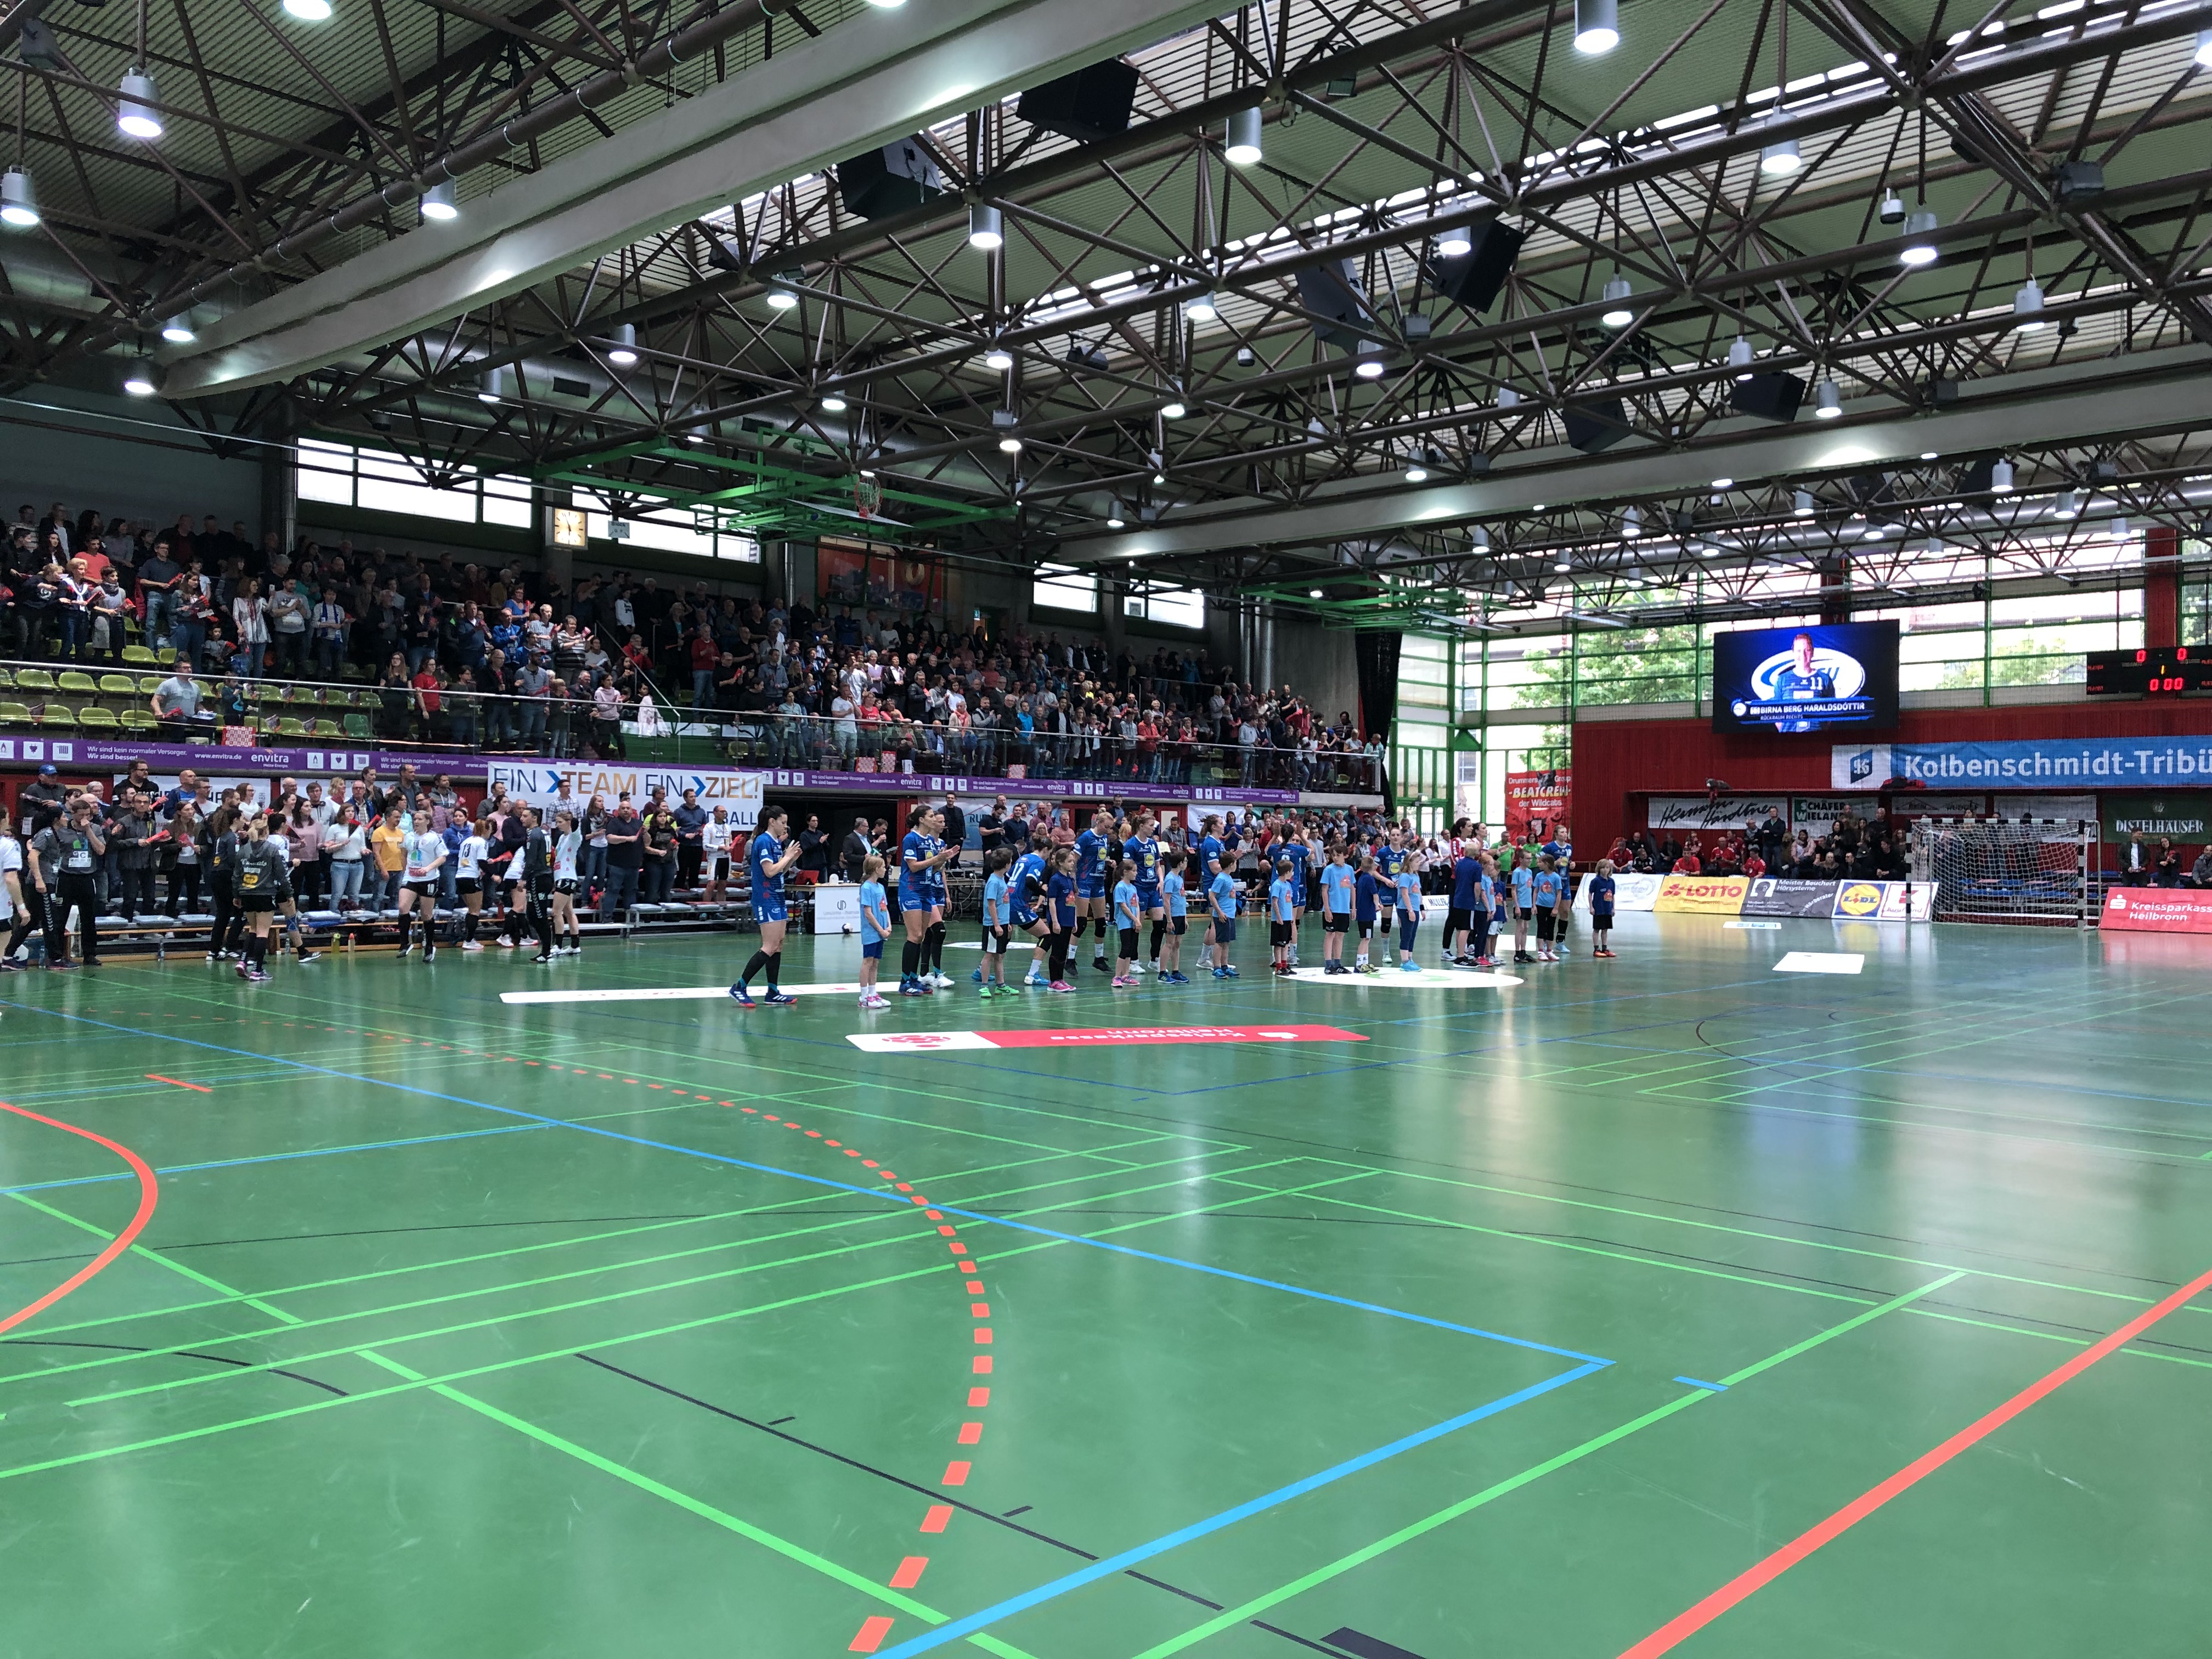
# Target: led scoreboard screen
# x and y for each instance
(2158, 669)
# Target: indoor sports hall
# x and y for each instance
(1097, 831)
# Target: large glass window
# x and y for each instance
(384, 481)
(1061, 587)
(1176, 607)
(664, 529)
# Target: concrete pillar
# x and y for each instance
(2162, 586)
(280, 490)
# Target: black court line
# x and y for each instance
(1366, 1647)
(181, 1354)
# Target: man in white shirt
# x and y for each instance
(714, 837)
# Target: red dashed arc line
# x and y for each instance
(934, 1519)
(149, 1195)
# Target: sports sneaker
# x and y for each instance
(776, 998)
(255, 976)
(405, 952)
(741, 996)
(909, 988)
(1230, 971)
(872, 1000)
(472, 945)
(10, 965)
(1409, 967)
(304, 957)
(505, 942)
(1120, 983)
(977, 977)
(429, 953)
(942, 980)
(1368, 967)
(542, 955)
(985, 993)
(215, 955)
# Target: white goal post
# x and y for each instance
(2027, 872)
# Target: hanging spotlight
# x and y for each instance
(832, 403)
(1173, 410)
(1918, 247)
(19, 203)
(1200, 308)
(781, 298)
(437, 203)
(1507, 398)
(1801, 504)
(887, 5)
(1617, 314)
(2118, 529)
(308, 11)
(488, 387)
(1740, 357)
(1369, 365)
(1830, 404)
(1480, 540)
(1597, 26)
(1313, 592)
(178, 330)
(1724, 484)
(1453, 244)
(2001, 477)
(2202, 58)
(622, 353)
(987, 230)
(134, 114)
(1114, 519)
(2027, 306)
(999, 358)
(139, 380)
(1009, 445)
(1632, 522)
(2065, 507)
(1892, 211)
(1243, 147)
(1780, 159)
(1563, 565)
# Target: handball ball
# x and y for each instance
(846, 929)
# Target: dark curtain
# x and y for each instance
(1376, 652)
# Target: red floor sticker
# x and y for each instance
(893, 1043)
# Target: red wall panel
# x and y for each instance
(1612, 758)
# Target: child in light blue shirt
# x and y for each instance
(1176, 896)
(997, 914)
(875, 924)
(1128, 916)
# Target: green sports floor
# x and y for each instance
(1671, 1303)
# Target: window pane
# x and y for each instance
(325, 472)
(1064, 590)
(506, 501)
(745, 550)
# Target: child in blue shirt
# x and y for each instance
(1544, 888)
(1524, 905)
(1366, 888)
(1468, 910)
(1060, 912)
(1601, 902)
(1128, 914)
(1282, 915)
(1501, 908)
(875, 927)
(1338, 879)
(1221, 900)
(1177, 899)
(1409, 912)
(997, 917)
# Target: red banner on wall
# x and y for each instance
(2158, 910)
(1537, 804)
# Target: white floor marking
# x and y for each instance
(1820, 961)
(1429, 979)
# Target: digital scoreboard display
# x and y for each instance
(2157, 670)
(1806, 679)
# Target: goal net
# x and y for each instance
(2027, 870)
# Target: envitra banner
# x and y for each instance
(2032, 763)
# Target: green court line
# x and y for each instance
(1259, 1604)
(887, 1212)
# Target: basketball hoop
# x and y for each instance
(867, 496)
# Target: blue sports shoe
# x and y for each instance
(909, 988)
(776, 998)
(977, 977)
(1230, 972)
(742, 997)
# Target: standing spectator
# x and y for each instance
(690, 824)
(853, 854)
(956, 827)
(249, 615)
(625, 856)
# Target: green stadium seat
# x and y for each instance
(139, 656)
(328, 729)
(34, 679)
(118, 685)
(139, 720)
(98, 720)
(58, 716)
(290, 727)
(78, 685)
(16, 714)
(357, 727)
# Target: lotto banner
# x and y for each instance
(2158, 910)
(1709, 895)
(1537, 804)
(537, 783)
(1114, 1037)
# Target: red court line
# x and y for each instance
(149, 1195)
(1669, 1635)
(198, 1087)
(872, 1632)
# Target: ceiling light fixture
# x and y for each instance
(2118, 529)
(1313, 592)
(833, 404)
(1801, 504)
(782, 298)
(437, 203)
(134, 114)
(622, 350)
(1563, 566)
(1200, 308)
(178, 330)
(487, 386)
(2001, 477)
(986, 229)
(1453, 244)
(1242, 148)
(1173, 410)
(999, 358)
(308, 11)
(1417, 473)
(2065, 507)
(1829, 403)
(2202, 55)
(1918, 246)
(1009, 445)
(1780, 159)
(19, 203)
(1369, 365)
(2027, 306)
(138, 380)
(1597, 26)
(1617, 314)
(1740, 357)
(1114, 521)
(1724, 484)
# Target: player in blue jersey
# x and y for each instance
(1546, 887)
(922, 858)
(1468, 909)
(1523, 880)
(1093, 848)
(1127, 913)
(997, 919)
(1338, 882)
(1175, 895)
(1602, 891)
(1210, 861)
(1025, 890)
(1367, 905)
(1282, 904)
(1141, 849)
(767, 858)
(1221, 901)
(875, 928)
(1501, 907)
(1061, 913)
(1410, 907)
(1295, 848)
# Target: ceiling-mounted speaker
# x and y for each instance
(1091, 104)
(1770, 397)
(878, 183)
(1475, 279)
(1596, 425)
(1974, 477)
(1332, 293)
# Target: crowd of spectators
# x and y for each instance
(1852, 850)
(497, 658)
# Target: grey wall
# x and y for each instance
(117, 456)
(1317, 663)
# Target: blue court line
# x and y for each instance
(1717, 1388)
(274, 1158)
(1160, 1545)
(875, 1193)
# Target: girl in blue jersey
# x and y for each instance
(922, 858)
(1094, 853)
(769, 858)
(997, 920)
(1062, 915)
(1025, 900)
(1501, 907)
(1601, 902)
(1338, 880)
(1546, 887)
(1468, 912)
(1366, 891)
(1282, 909)
(1221, 905)
(1524, 904)
(1410, 907)
(1127, 914)
(1176, 897)
(875, 928)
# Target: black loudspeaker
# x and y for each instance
(1474, 280)
(1331, 292)
(1974, 477)
(1091, 104)
(1770, 397)
(882, 182)
(1595, 426)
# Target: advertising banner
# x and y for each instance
(2158, 910)
(2029, 763)
(1709, 895)
(1537, 803)
(99, 755)
(1919, 804)
(1633, 889)
(1772, 896)
(537, 783)
(2181, 816)
(1884, 900)
(1681, 813)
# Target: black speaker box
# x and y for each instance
(1333, 293)
(1595, 426)
(1475, 279)
(881, 182)
(1770, 397)
(1091, 104)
